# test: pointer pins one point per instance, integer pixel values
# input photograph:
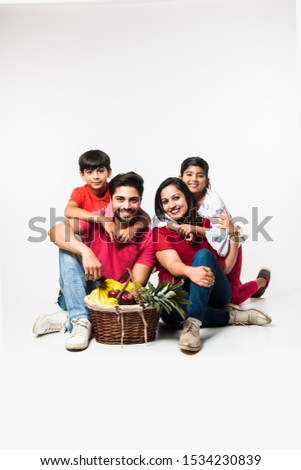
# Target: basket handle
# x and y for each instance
(123, 289)
(129, 273)
(131, 277)
(122, 276)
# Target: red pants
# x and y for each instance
(240, 292)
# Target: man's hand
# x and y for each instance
(91, 265)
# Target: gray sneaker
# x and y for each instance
(51, 323)
(190, 338)
(247, 316)
(80, 336)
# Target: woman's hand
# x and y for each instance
(201, 275)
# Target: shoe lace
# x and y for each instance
(79, 327)
(192, 327)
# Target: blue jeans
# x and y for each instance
(74, 286)
(207, 303)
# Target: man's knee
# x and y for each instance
(203, 257)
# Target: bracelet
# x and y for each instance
(236, 233)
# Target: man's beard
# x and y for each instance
(127, 219)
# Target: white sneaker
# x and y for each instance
(247, 316)
(80, 335)
(51, 323)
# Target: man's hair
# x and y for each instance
(181, 186)
(127, 179)
(93, 159)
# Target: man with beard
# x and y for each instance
(84, 262)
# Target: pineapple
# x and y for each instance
(166, 296)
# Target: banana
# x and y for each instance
(111, 284)
(100, 294)
(94, 296)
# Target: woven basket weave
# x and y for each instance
(123, 324)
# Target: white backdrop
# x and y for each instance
(150, 84)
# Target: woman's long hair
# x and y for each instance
(190, 216)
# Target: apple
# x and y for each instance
(127, 298)
(113, 293)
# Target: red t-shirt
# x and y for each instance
(87, 200)
(116, 257)
(165, 239)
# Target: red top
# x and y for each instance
(87, 200)
(165, 239)
(116, 257)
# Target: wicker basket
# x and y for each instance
(123, 324)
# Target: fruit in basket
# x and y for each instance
(98, 296)
(111, 301)
(127, 298)
(111, 284)
(130, 286)
(113, 293)
(166, 296)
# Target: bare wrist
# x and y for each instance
(99, 219)
(175, 226)
(137, 226)
(230, 228)
(187, 271)
(82, 248)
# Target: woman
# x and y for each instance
(207, 284)
(195, 174)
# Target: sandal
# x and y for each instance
(266, 274)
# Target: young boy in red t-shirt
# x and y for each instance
(94, 169)
(91, 202)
